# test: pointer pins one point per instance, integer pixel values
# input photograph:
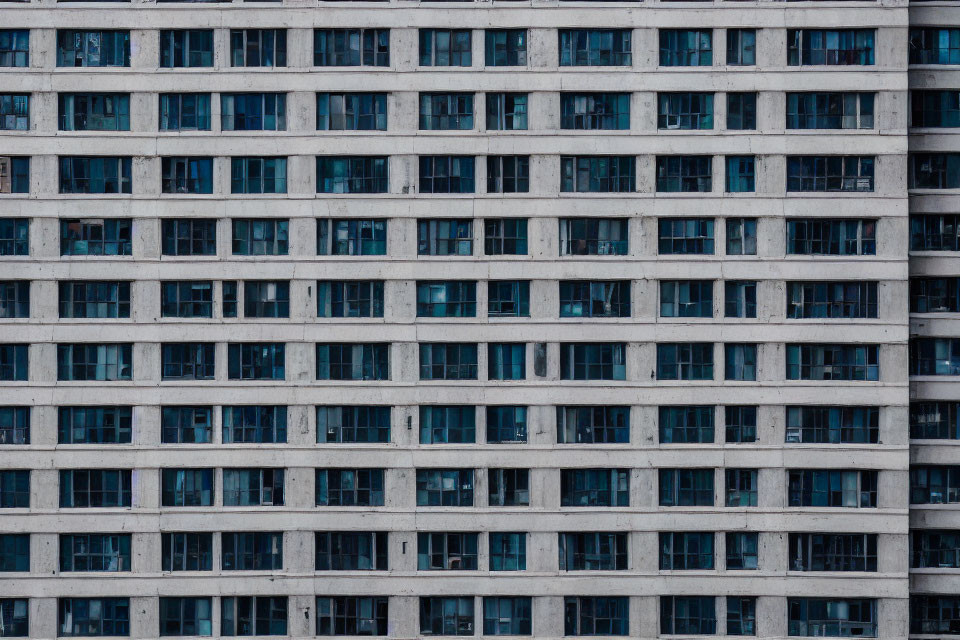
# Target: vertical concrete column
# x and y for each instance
(300, 361)
(144, 48)
(146, 361)
(543, 48)
(146, 425)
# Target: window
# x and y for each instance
(94, 299)
(686, 424)
(446, 299)
(445, 487)
(15, 554)
(686, 298)
(818, 236)
(741, 424)
(934, 549)
(101, 174)
(185, 617)
(506, 424)
(685, 110)
(14, 425)
(684, 173)
(595, 551)
(14, 174)
(14, 362)
(934, 420)
(830, 46)
(597, 174)
(928, 45)
(446, 616)
(186, 425)
(94, 111)
(741, 47)
(833, 110)
(508, 298)
(830, 173)
(186, 48)
(253, 616)
(14, 236)
(258, 175)
(507, 615)
(934, 614)
(350, 298)
(741, 236)
(81, 488)
(741, 111)
(593, 424)
(506, 47)
(595, 47)
(595, 299)
(686, 551)
(592, 111)
(508, 551)
(506, 111)
(448, 361)
(353, 361)
(446, 174)
(253, 111)
(508, 174)
(741, 615)
(188, 237)
(14, 111)
(933, 295)
(14, 618)
(260, 551)
(686, 47)
(934, 170)
(686, 236)
(260, 237)
(505, 236)
(740, 361)
(593, 236)
(350, 550)
(78, 617)
(15, 489)
(266, 299)
(832, 488)
(446, 111)
(686, 487)
(352, 174)
(187, 551)
(741, 174)
(447, 424)
(685, 361)
(351, 237)
(741, 487)
(355, 424)
(188, 361)
(934, 485)
(96, 237)
(596, 616)
(446, 551)
(742, 550)
(843, 618)
(94, 552)
(351, 111)
(833, 425)
(94, 425)
(594, 487)
(832, 299)
(258, 48)
(14, 49)
(688, 615)
(509, 487)
(506, 360)
(833, 362)
(349, 487)
(352, 615)
(253, 487)
(103, 362)
(186, 299)
(187, 487)
(833, 552)
(184, 112)
(593, 361)
(92, 48)
(351, 47)
(445, 48)
(186, 175)
(255, 424)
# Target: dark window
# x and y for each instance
(833, 552)
(591, 111)
(15, 489)
(831, 488)
(740, 299)
(508, 298)
(928, 45)
(687, 424)
(253, 487)
(688, 615)
(741, 47)
(594, 299)
(593, 361)
(833, 110)
(351, 111)
(843, 618)
(81, 488)
(184, 112)
(14, 616)
(684, 174)
(345, 424)
(186, 175)
(79, 617)
(186, 616)
(685, 361)
(14, 177)
(349, 487)
(595, 47)
(352, 615)
(934, 170)
(741, 236)
(830, 173)
(685, 110)
(189, 237)
(255, 424)
(445, 48)
(446, 551)
(934, 549)
(686, 487)
(506, 47)
(686, 236)
(230, 297)
(686, 298)
(741, 174)
(505, 236)
(447, 174)
(928, 232)
(741, 615)
(740, 361)
(506, 424)
(741, 111)
(186, 299)
(445, 487)
(507, 615)
(594, 487)
(446, 111)
(934, 295)
(506, 111)
(255, 361)
(600, 424)
(186, 48)
(103, 362)
(258, 48)
(833, 299)
(686, 551)
(743, 550)
(830, 47)
(266, 299)
(260, 551)
(835, 237)
(14, 51)
(351, 47)
(446, 616)
(187, 361)
(446, 299)
(508, 174)
(833, 362)
(447, 424)
(448, 361)
(931, 420)
(14, 425)
(186, 487)
(506, 360)
(94, 425)
(686, 47)
(353, 361)
(14, 236)
(186, 425)
(258, 175)
(593, 551)
(253, 111)
(834, 425)
(94, 552)
(598, 174)
(253, 616)
(92, 48)
(350, 299)
(94, 299)
(14, 362)
(934, 614)
(15, 556)
(741, 424)
(99, 174)
(94, 111)
(509, 487)
(352, 174)
(934, 485)
(96, 237)
(593, 236)
(741, 487)
(596, 616)
(351, 550)
(351, 237)
(508, 551)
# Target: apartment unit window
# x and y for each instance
(445, 48)
(258, 175)
(933, 295)
(14, 362)
(833, 110)
(741, 487)
(188, 361)
(741, 47)
(742, 550)
(684, 173)
(94, 111)
(14, 425)
(349, 487)
(832, 300)
(94, 299)
(263, 237)
(448, 361)
(447, 299)
(741, 615)
(187, 551)
(255, 361)
(830, 173)
(741, 111)
(92, 48)
(350, 298)
(506, 424)
(685, 361)
(188, 237)
(253, 487)
(186, 425)
(100, 174)
(597, 174)
(934, 420)
(740, 361)
(741, 424)
(593, 236)
(508, 298)
(508, 551)
(688, 615)
(507, 615)
(508, 174)
(595, 47)
(686, 298)
(94, 552)
(594, 111)
(266, 299)
(103, 362)
(14, 48)
(260, 551)
(94, 425)
(14, 111)
(741, 236)
(253, 616)
(686, 550)
(832, 488)
(446, 616)
(934, 549)
(253, 111)
(830, 47)
(351, 111)
(833, 552)
(833, 425)
(594, 487)
(187, 175)
(14, 554)
(14, 236)
(14, 174)
(351, 550)
(88, 617)
(685, 110)
(833, 362)
(186, 299)
(505, 47)
(186, 617)
(353, 361)
(928, 45)
(96, 237)
(186, 488)
(448, 424)
(446, 111)
(593, 424)
(447, 174)
(837, 237)
(686, 236)
(686, 424)
(351, 47)
(254, 424)
(258, 48)
(80, 488)
(596, 616)
(186, 48)
(842, 618)
(445, 487)
(352, 174)
(509, 487)
(594, 551)
(505, 236)
(15, 489)
(351, 237)
(934, 614)
(446, 551)
(506, 111)
(356, 424)
(593, 361)
(686, 47)
(686, 487)
(352, 615)
(14, 618)
(184, 112)
(934, 170)
(594, 299)
(741, 174)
